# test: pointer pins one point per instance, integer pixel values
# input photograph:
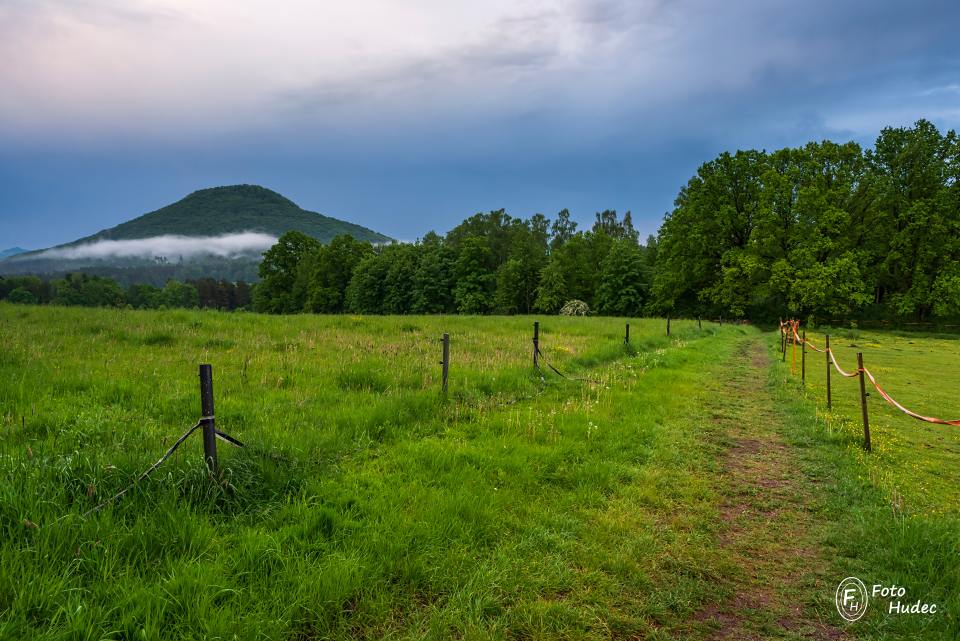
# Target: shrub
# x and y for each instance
(575, 308)
(22, 296)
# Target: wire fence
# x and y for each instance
(211, 433)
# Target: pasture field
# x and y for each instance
(896, 509)
(694, 490)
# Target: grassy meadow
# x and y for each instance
(895, 510)
(367, 505)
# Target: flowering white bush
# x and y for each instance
(575, 308)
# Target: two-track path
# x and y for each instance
(769, 527)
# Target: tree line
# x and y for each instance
(98, 291)
(490, 263)
(823, 231)
(141, 271)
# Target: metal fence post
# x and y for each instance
(626, 337)
(863, 404)
(207, 417)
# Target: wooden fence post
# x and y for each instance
(793, 349)
(626, 337)
(803, 358)
(863, 404)
(536, 343)
(668, 325)
(699, 326)
(207, 417)
(446, 360)
(827, 354)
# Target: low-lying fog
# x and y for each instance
(171, 247)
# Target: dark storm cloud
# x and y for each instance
(586, 105)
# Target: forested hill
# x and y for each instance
(146, 249)
(12, 251)
(238, 208)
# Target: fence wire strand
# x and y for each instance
(161, 461)
(561, 374)
(149, 470)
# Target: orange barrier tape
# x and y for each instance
(808, 342)
(793, 325)
(919, 417)
(797, 338)
(842, 373)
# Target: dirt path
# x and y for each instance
(769, 529)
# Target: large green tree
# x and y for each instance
(433, 280)
(325, 274)
(552, 291)
(622, 286)
(279, 271)
(474, 276)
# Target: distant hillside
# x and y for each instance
(13, 251)
(247, 211)
(225, 210)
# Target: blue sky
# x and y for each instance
(410, 116)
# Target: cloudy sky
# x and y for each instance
(407, 116)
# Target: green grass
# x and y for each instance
(914, 460)
(367, 505)
(894, 512)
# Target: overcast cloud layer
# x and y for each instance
(170, 247)
(410, 116)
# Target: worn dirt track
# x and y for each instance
(769, 527)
